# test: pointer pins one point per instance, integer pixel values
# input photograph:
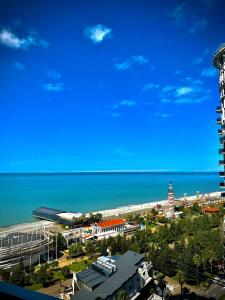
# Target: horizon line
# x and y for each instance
(113, 171)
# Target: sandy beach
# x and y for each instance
(144, 207)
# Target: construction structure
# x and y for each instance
(219, 63)
(170, 213)
(26, 242)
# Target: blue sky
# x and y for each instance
(109, 85)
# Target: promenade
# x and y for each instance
(138, 208)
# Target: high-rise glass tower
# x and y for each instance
(219, 63)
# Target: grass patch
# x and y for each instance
(35, 286)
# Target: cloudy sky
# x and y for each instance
(109, 85)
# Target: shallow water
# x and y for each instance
(21, 193)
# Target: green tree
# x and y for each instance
(54, 264)
(5, 274)
(135, 247)
(65, 272)
(89, 248)
(44, 275)
(75, 250)
(61, 242)
(195, 208)
(154, 212)
(122, 295)
(162, 285)
(181, 278)
(197, 261)
(18, 276)
(211, 256)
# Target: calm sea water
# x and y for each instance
(20, 194)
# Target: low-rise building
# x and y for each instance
(109, 276)
(209, 210)
(109, 228)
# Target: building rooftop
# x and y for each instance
(69, 215)
(211, 209)
(218, 55)
(110, 223)
(126, 267)
(91, 278)
(49, 211)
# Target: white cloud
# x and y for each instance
(164, 100)
(183, 16)
(18, 66)
(127, 103)
(54, 87)
(190, 91)
(209, 72)
(151, 86)
(178, 14)
(191, 100)
(197, 25)
(124, 103)
(168, 88)
(53, 74)
(163, 115)
(183, 90)
(197, 60)
(9, 39)
(140, 59)
(114, 114)
(130, 62)
(122, 66)
(98, 33)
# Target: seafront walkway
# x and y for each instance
(137, 208)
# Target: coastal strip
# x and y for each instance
(136, 208)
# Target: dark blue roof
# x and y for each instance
(91, 277)
(47, 210)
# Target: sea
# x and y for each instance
(20, 194)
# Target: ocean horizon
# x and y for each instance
(21, 193)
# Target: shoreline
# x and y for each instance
(134, 208)
(138, 208)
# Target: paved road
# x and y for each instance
(215, 291)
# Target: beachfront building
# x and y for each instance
(210, 210)
(56, 215)
(109, 277)
(170, 213)
(106, 229)
(219, 63)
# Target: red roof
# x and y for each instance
(111, 223)
(211, 209)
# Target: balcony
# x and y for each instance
(223, 195)
(219, 121)
(222, 185)
(223, 126)
(221, 151)
(222, 162)
(219, 109)
(222, 174)
(220, 132)
(222, 139)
